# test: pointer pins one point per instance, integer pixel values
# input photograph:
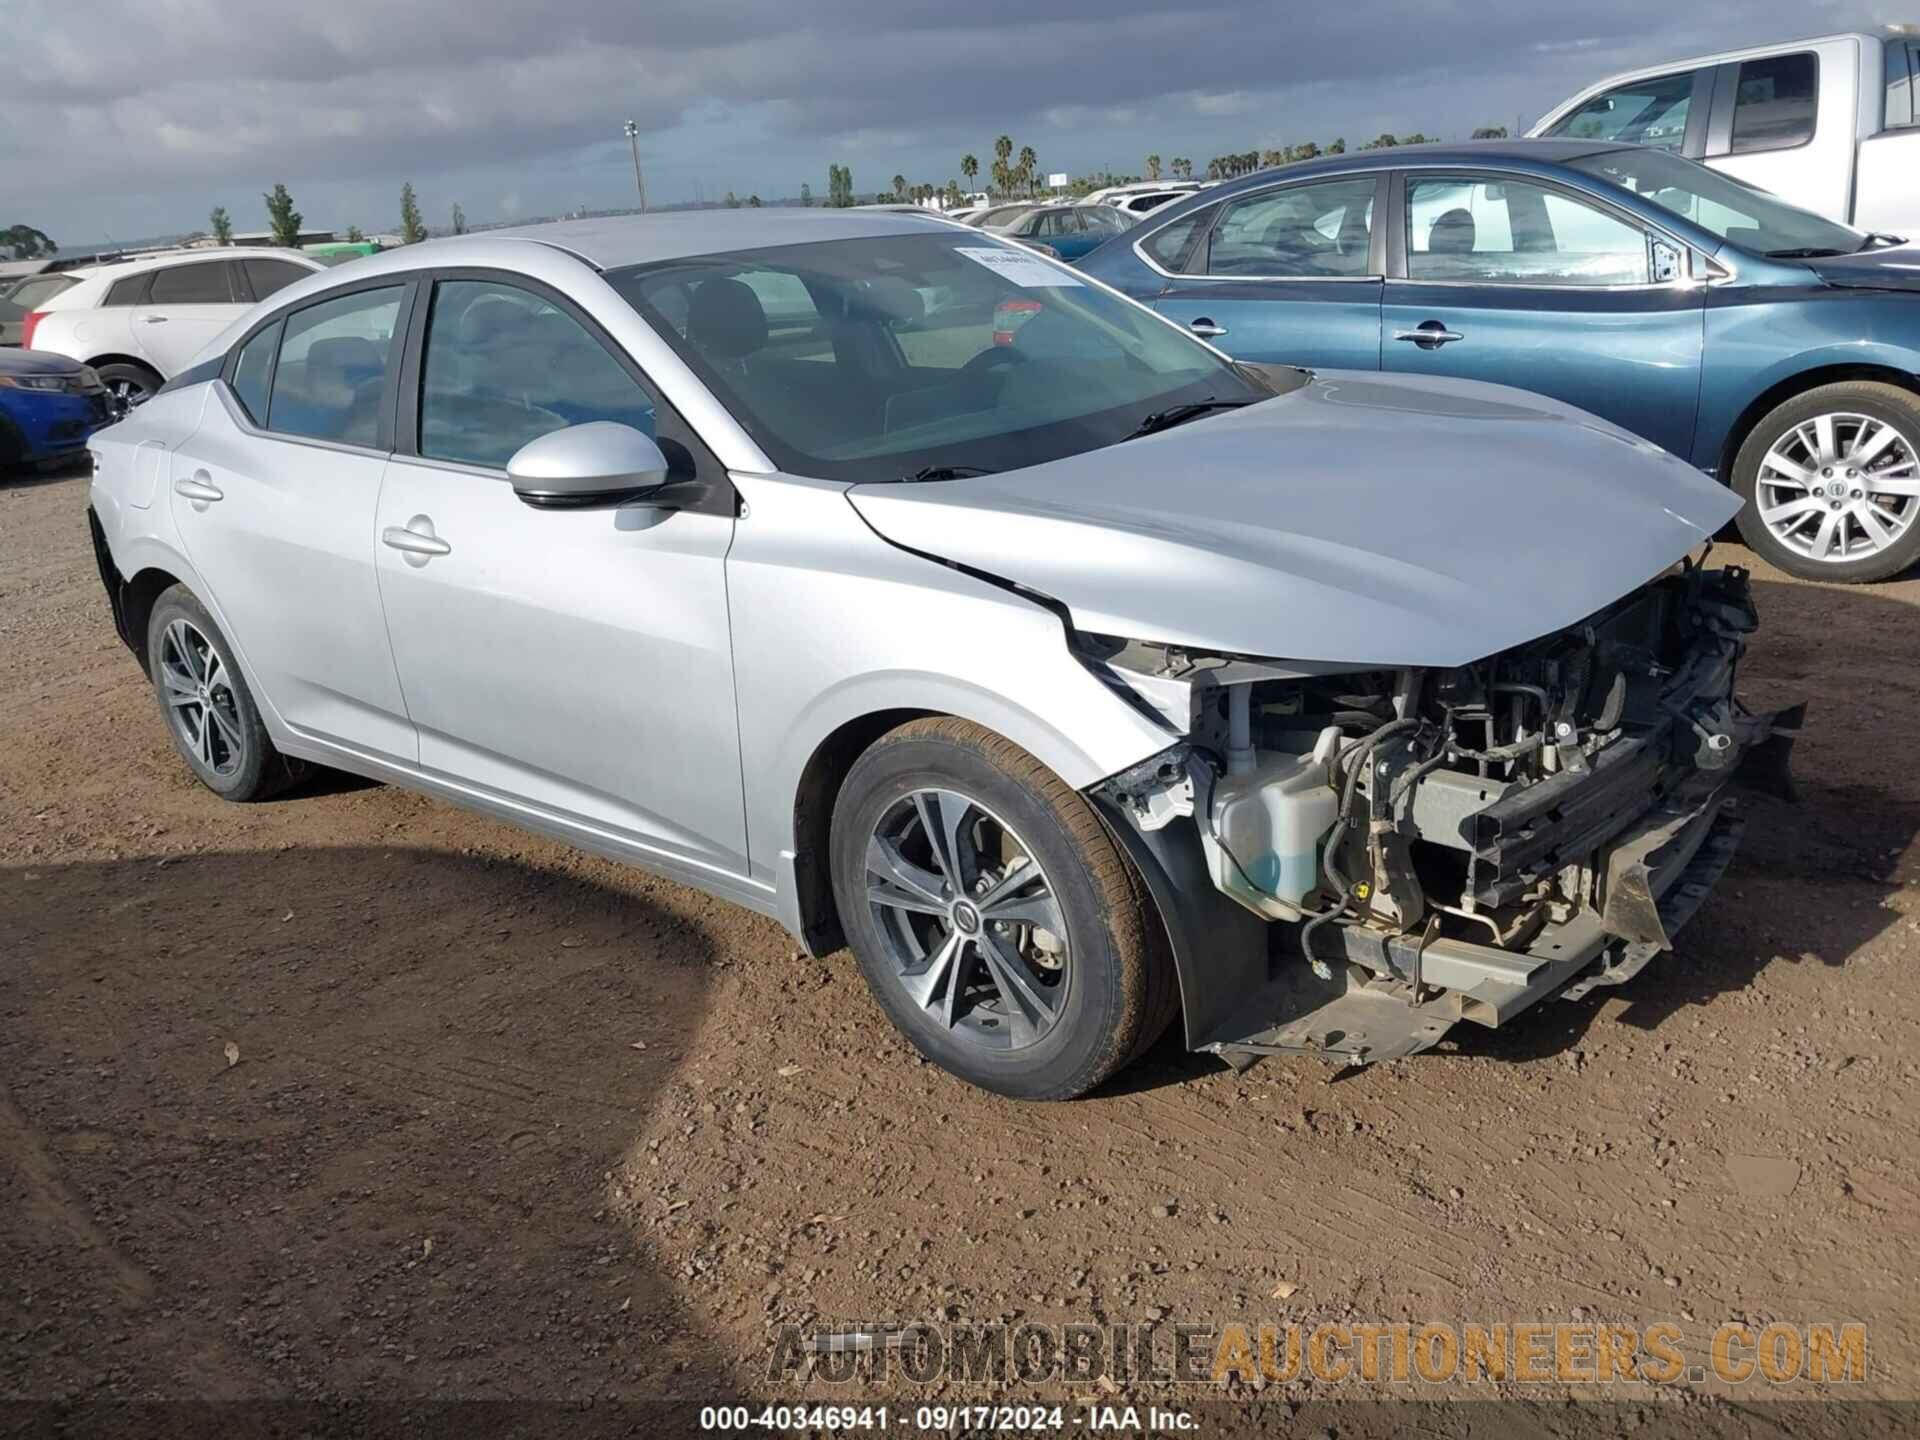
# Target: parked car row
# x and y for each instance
(1773, 348)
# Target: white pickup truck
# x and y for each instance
(1831, 125)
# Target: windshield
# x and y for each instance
(1737, 213)
(877, 358)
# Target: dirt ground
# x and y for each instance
(508, 1122)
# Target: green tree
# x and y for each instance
(732, 201)
(354, 237)
(839, 186)
(459, 219)
(27, 243)
(806, 194)
(282, 218)
(1153, 167)
(753, 202)
(1029, 162)
(1491, 132)
(412, 229)
(1338, 147)
(1382, 141)
(970, 167)
(220, 226)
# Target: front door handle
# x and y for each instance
(415, 541)
(1431, 335)
(1205, 328)
(199, 488)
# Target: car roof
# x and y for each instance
(618, 240)
(116, 268)
(1463, 152)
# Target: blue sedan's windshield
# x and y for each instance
(1737, 213)
(876, 358)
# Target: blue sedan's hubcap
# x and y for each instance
(1839, 487)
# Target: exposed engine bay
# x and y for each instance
(1460, 843)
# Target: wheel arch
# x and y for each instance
(137, 598)
(114, 357)
(1799, 383)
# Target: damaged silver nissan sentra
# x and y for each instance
(914, 590)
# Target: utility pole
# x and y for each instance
(633, 139)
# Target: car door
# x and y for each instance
(186, 305)
(274, 497)
(571, 666)
(1289, 274)
(1521, 282)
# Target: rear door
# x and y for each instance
(274, 496)
(1886, 192)
(186, 305)
(1290, 274)
(1789, 123)
(1521, 282)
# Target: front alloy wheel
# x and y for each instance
(1832, 483)
(994, 916)
(971, 927)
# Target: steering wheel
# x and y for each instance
(996, 355)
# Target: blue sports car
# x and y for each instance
(1772, 348)
(49, 405)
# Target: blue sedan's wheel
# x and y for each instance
(1832, 483)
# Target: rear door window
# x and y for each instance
(332, 369)
(1302, 230)
(201, 284)
(1774, 102)
(267, 276)
(1640, 112)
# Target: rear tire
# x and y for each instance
(208, 709)
(130, 384)
(1045, 969)
(1808, 473)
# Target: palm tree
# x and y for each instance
(1153, 167)
(969, 167)
(1027, 162)
(899, 187)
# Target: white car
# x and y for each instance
(1830, 125)
(141, 322)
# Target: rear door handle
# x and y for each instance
(200, 489)
(415, 540)
(1205, 328)
(153, 319)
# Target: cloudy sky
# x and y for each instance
(131, 120)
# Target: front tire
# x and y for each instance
(1832, 483)
(209, 711)
(995, 919)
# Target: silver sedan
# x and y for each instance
(932, 598)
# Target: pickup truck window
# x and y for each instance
(1774, 101)
(1640, 112)
(1900, 67)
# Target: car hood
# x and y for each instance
(1875, 270)
(1357, 520)
(36, 362)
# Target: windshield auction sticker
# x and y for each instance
(1028, 271)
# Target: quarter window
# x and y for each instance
(1303, 230)
(504, 366)
(254, 370)
(1900, 71)
(1641, 112)
(1773, 106)
(129, 291)
(1508, 233)
(1168, 246)
(333, 367)
(202, 284)
(267, 276)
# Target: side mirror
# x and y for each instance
(599, 463)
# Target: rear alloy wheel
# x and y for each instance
(210, 712)
(994, 917)
(1832, 483)
(128, 386)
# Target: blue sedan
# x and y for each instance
(1773, 348)
(49, 405)
(1068, 231)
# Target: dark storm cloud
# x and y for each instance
(166, 95)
